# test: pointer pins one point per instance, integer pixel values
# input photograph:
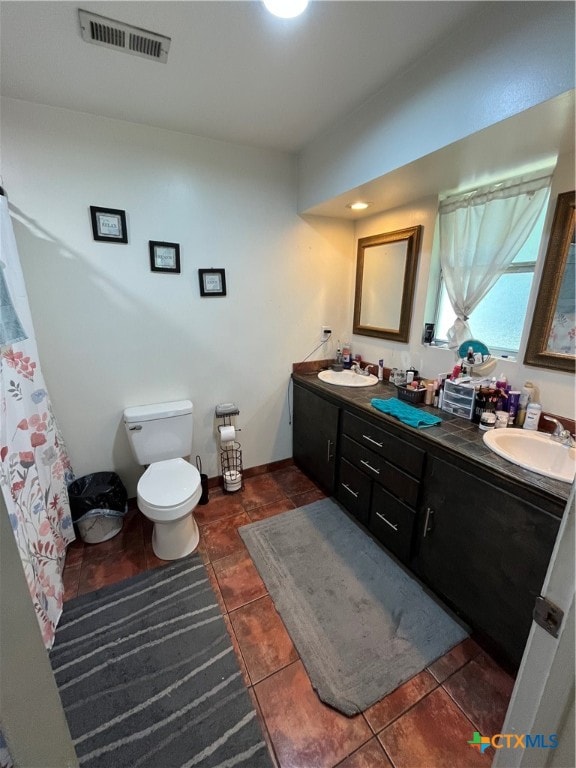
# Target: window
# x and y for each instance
(498, 320)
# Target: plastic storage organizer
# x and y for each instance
(458, 399)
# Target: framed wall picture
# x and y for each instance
(212, 282)
(109, 224)
(164, 257)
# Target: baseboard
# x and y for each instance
(262, 469)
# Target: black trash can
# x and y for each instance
(98, 503)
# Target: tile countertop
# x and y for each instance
(457, 434)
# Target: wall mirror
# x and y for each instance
(386, 268)
(552, 339)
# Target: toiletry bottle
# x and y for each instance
(380, 370)
(532, 416)
(501, 382)
(346, 354)
(470, 356)
(429, 396)
(527, 395)
(513, 404)
(481, 396)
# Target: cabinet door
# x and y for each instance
(314, 435)
(486, 551)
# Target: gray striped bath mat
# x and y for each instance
(148, 676)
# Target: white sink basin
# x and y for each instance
(534, 451)
(347, 379)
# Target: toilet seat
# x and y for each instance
(169, 489)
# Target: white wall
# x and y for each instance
(111, 333)
(557, 388)
(507, 57)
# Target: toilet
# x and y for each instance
(160, 436)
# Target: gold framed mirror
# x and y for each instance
(551, 343)
(386, 267)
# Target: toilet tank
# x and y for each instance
(160, 431)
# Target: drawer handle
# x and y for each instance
(394, 527)
(370, 440)
(350, 490)
(369, 466)
(329, 457)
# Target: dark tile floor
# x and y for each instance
(425, 723)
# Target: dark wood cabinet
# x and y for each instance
(480, 541)
(485, 551)
(379, 482)
(315, 436)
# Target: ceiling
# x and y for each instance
(234, 72)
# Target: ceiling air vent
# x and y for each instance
(123, 37)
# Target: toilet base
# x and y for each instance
(175, 539)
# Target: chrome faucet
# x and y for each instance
(560, 434)
(359, 370)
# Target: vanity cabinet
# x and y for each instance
(315, 436)
(485, 551)
(480, 541)
(379, 482)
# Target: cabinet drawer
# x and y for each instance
(354, 491)
(399, 452)
(392, 523)
(401, 484)
(363, 458)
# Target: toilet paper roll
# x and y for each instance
(232, 480)
(227, 435)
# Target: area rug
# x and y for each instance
(361, 624)
(148, 676)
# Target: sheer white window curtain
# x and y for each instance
(480, 234)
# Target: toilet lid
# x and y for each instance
(169, 483)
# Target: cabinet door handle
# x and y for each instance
(370, 440)
(369, 466)
(350, 490)
(428, 521)
(329, 456)
(394, 527)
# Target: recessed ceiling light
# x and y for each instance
(286, 9)
(359, 206)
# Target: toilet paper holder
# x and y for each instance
(230, 449)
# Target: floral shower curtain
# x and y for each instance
(34, 466)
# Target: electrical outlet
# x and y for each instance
(326, 331)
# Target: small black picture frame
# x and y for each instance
(108, 224)
(212, 282)
(164, 257)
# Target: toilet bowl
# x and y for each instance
(167, 494)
